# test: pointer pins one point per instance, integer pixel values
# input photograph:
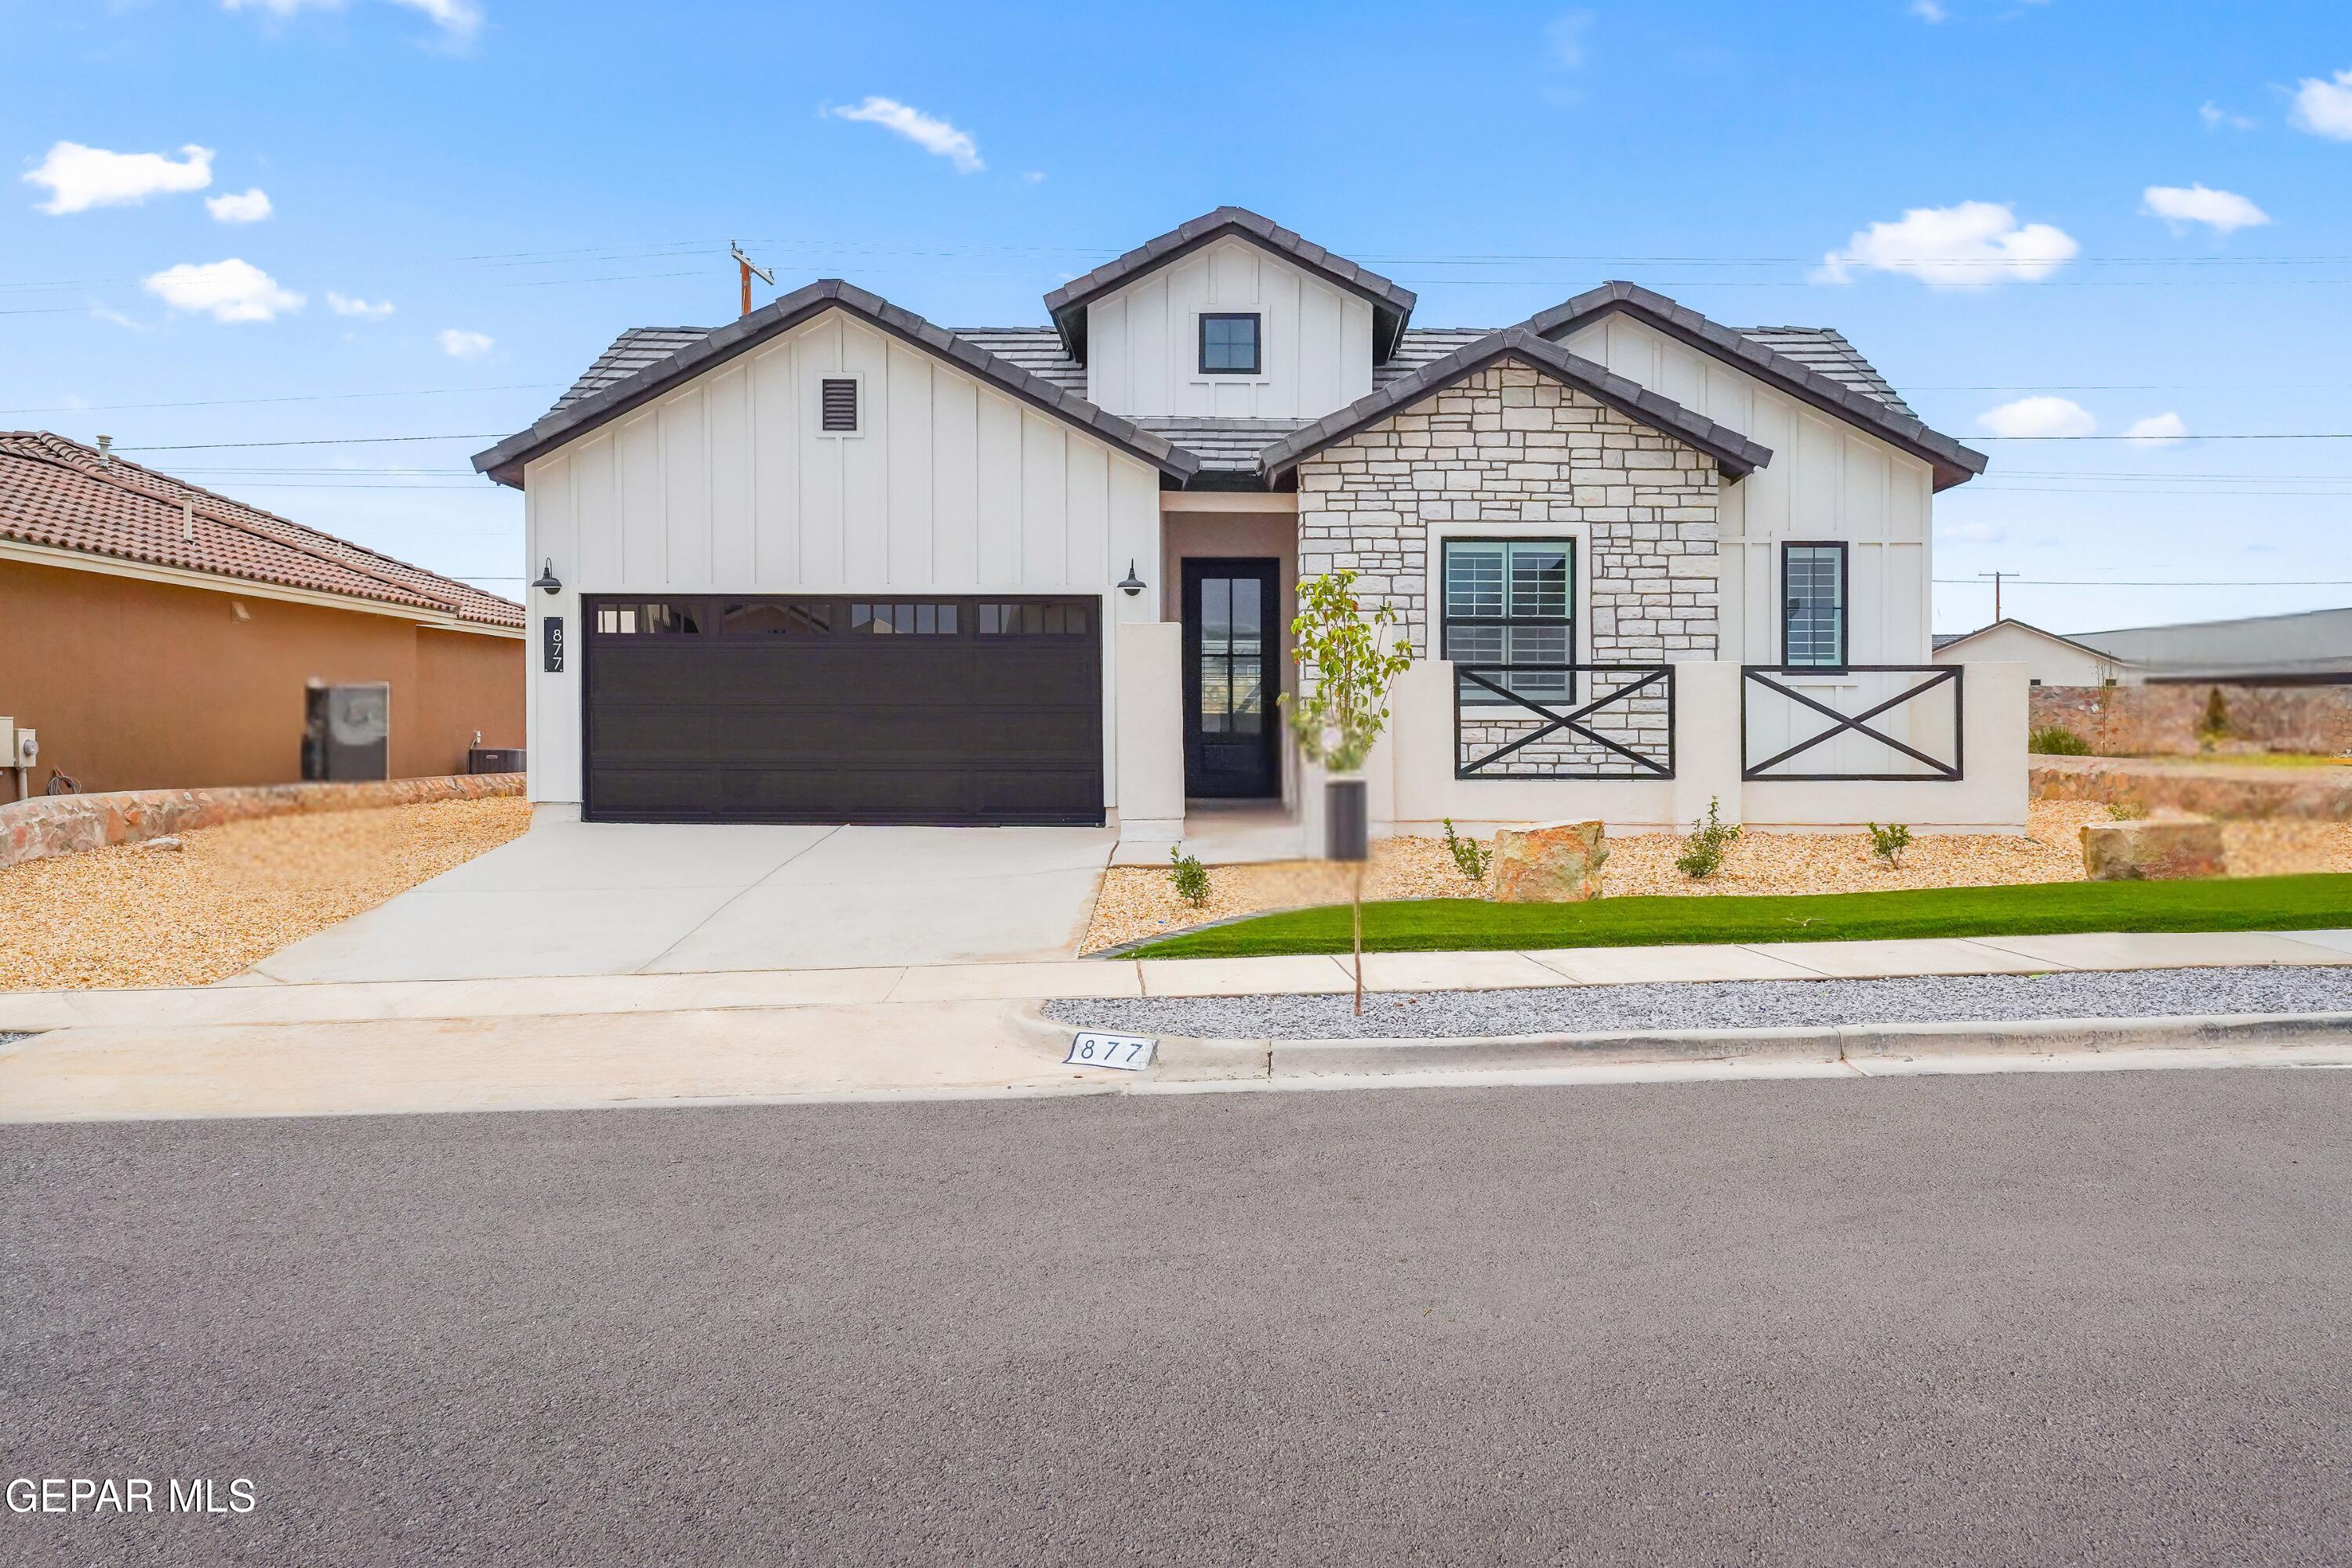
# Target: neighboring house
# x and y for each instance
(2049, 659)
(2310, 648)
(158, 635)
(832, 563)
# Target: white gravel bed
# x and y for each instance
(1725, 1005)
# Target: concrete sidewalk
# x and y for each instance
(557, 996)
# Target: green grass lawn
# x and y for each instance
(1442, 925)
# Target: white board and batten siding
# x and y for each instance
(1828, 481)
(726, 484)
(1143, 342)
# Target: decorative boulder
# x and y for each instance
(2153, 850)
(1551, 863)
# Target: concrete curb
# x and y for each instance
(1185, 1058)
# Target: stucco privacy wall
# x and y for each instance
(726, 483)
(1828, 481)
(1143, 340)
(1509, 452)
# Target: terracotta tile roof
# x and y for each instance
(60, 493)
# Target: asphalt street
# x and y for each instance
(2015, 1319)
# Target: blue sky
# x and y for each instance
(520, 179)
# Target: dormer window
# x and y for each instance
(1229, 342)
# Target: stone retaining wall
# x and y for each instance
(2208, 790)
(62, 824)
(2162, 721)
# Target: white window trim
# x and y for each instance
(1579, 649)
(1264, 377)
(817, 400)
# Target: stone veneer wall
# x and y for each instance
(1510, 446)
(50, 825)
(2163, 721)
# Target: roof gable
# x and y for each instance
(572, 419)
(1890, 422)
(1734, 453)
(2013, 622)
(1391, 305)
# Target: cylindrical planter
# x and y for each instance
(1347, 824)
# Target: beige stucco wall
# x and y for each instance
(2049, 661)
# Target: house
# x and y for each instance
(831, 561)
(2313, 647)
(2049, 659)
(154, 634)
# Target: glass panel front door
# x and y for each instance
(1231, 677)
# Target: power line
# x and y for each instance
(2181, 583)
(303, 398)
(320, 441)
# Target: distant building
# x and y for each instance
(2313, 647)
(2049, 659)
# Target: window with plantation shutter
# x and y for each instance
(839, 395)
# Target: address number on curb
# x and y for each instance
(1129, 1053)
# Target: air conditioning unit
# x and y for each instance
(347, 731)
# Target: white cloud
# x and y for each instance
(459, 344)
(114, 317)
(933, 135)
(1035, 177)
(2221, 211)
(2323, 108)
(232, 290)
(80, 178)
(458, 20)
(1974, 245)
(1564, 38)
(250, 207)
(1928, 11)
(2038, 416)
(2158, 430)
(344, 305)
(2217, 118)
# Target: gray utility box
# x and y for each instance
(346, 731)
(495, 760)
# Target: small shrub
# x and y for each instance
(2214, 727)
(1710, 840)
(2057, 740)
(2128, 810)
(1470, 858)
(1191, 878)
(1889, 842)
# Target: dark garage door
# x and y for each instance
(800, 709)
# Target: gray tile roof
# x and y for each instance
(1953, 463)
(1225, 446)
(1733, 452)
(1037, 349)
(632, 351)
(1825, 349)
(1391, 305)
(504, 462)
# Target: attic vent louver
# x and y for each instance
(840, 400)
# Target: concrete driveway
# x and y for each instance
(574, 898)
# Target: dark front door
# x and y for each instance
(840, 707)
(1233, 669)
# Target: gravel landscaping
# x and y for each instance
(1725, 1005)
(134, 915)
(1138, 903)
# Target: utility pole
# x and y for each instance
(1996, 576)
(749, 272)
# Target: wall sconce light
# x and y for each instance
(547, 580)
(1134, 585)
